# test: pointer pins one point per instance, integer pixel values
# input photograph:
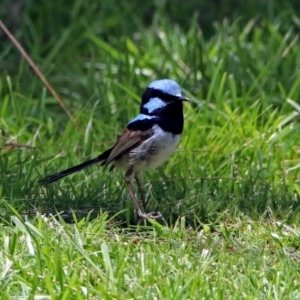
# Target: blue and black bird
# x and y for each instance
(148, 140)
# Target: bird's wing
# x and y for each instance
(128, 140)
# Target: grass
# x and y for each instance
(244, 259)
(229, 195)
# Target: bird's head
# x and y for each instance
(160, 94)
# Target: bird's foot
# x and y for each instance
(152, 215)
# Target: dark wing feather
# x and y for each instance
(127, 141)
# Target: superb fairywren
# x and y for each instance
(148, 140)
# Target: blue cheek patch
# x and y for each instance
(154, 103)
(141, 117)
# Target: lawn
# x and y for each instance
(229, 195)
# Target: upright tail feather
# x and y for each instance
(102, 157)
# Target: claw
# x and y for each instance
(151, 215)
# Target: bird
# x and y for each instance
(147, 141)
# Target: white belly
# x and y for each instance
(151, 153)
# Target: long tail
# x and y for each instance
(102, 157)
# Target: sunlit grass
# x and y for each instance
(229, 195)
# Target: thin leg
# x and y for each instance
(133, 197)
(138, 182)
(136, 204)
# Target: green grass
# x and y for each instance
(244, 259)
(229, 195)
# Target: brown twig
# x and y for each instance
(11, 145)
(38, 72)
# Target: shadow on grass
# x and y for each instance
(199, 200)
(205, 204)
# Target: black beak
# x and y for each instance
(184, 98)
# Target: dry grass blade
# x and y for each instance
(37, 71)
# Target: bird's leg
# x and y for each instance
(138, 182)
(136, 204)
(133, 197)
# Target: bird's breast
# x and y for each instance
(150, 153)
